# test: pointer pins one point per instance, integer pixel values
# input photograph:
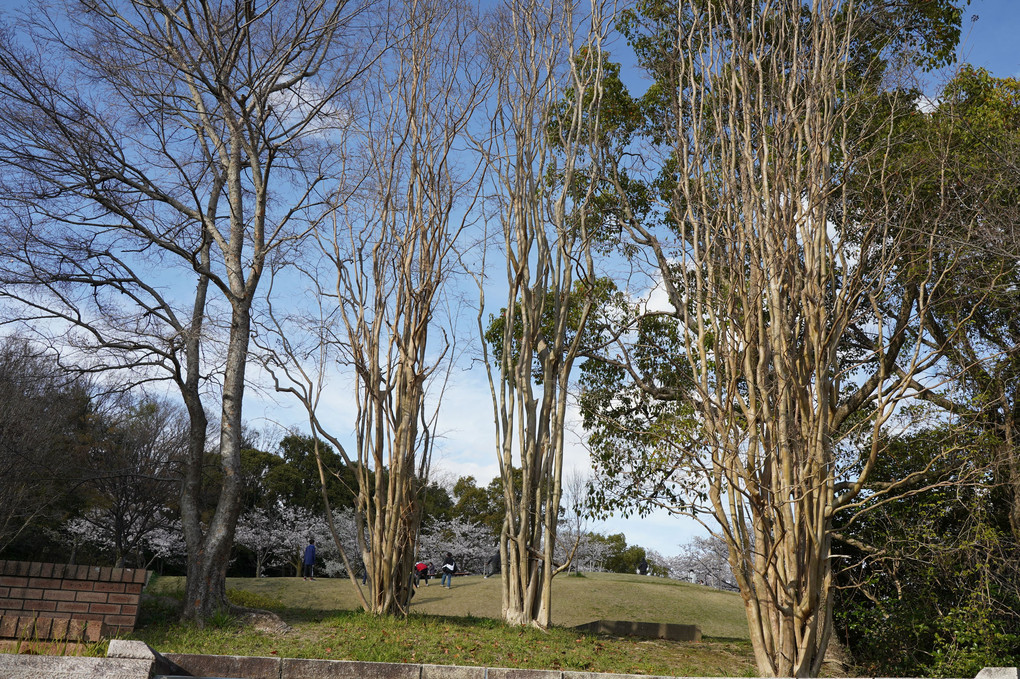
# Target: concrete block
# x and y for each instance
(62, 667)
(651, 630)
(226, 666)
(451, 672)
(999, 673)
(139, 650)
(512, 673)
(597, 675)
(297, 668)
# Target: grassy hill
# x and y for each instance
(576, 600)
(461, 626)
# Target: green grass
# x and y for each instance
(460, 626)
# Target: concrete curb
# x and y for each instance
(136, 660)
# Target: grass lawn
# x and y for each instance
(460, 626)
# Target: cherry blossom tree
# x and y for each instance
(471, 544)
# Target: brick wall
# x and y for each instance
(58, 601)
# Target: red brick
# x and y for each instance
(42, 628)
(78, 585)
(133, 589)
(26, 593)
(59, 613)
(120, 620)
(106, 573)
(59, 628)
(44, 583)
(11, 604)
(40, 605)
(26, 627)
(94, 632)
(75, 628)
(117, 587)
(21, 568)
(58, 595)
(8, 625)
(93, 573)
(129, 610)
(123, 599)
(72, 607)
(46, 571)
(91, 597)
(95, 617)
(34, 569)
(104, 609)
(59, 570)
(5, 592)
(13, 581)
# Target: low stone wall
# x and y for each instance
(58, 601)
(135, 660)
(652, 630)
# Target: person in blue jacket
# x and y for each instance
(309, 561)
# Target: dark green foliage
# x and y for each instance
(483, 505)
(930, 584)
(623, 558)
(642, 430)
(292, 476)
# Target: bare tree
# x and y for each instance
(37, 421)
(388, 252)
(792, 331)
(130, 454)
(548, 65)
(573, 537)
(149, 145)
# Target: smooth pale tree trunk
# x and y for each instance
(539, 52)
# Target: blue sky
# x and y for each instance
(991, 40)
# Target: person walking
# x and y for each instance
(449, 568)
(309, 561)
